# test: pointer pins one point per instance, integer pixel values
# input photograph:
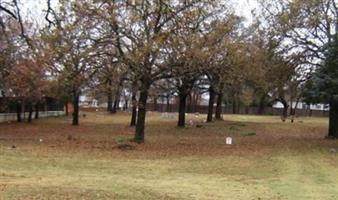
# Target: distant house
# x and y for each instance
(304, 106)
(87, 102)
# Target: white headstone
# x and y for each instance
(228, 140)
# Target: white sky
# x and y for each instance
(34, 8)
(244, 8)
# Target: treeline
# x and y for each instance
(149, 49)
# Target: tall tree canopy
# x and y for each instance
(310, 28)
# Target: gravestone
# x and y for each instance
(228, 141)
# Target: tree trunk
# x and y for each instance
(333, 119)
(18, 112)
(66, 109)
(182, 110)
(125, 107)
(238, 105)
(114, 109)
(285, 109)
(76, 99)
(109, 100)
(168, 103)
(261, 106)
(211, 104)
(116, 106)
(285, 112)
(30, 112)
(293, 110)
(309, 110)
(109, 97)
(37, 110)
(218, 114)
(134, 109)
(155, 104)
(141, 116)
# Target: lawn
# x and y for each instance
(268, 160)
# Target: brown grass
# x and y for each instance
(104, 133)
(269, 159)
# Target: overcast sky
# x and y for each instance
(35, 8)
(244, 8)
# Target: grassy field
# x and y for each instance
(268, 160)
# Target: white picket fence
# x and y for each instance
(5, 117)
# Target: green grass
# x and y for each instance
(280, 161)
